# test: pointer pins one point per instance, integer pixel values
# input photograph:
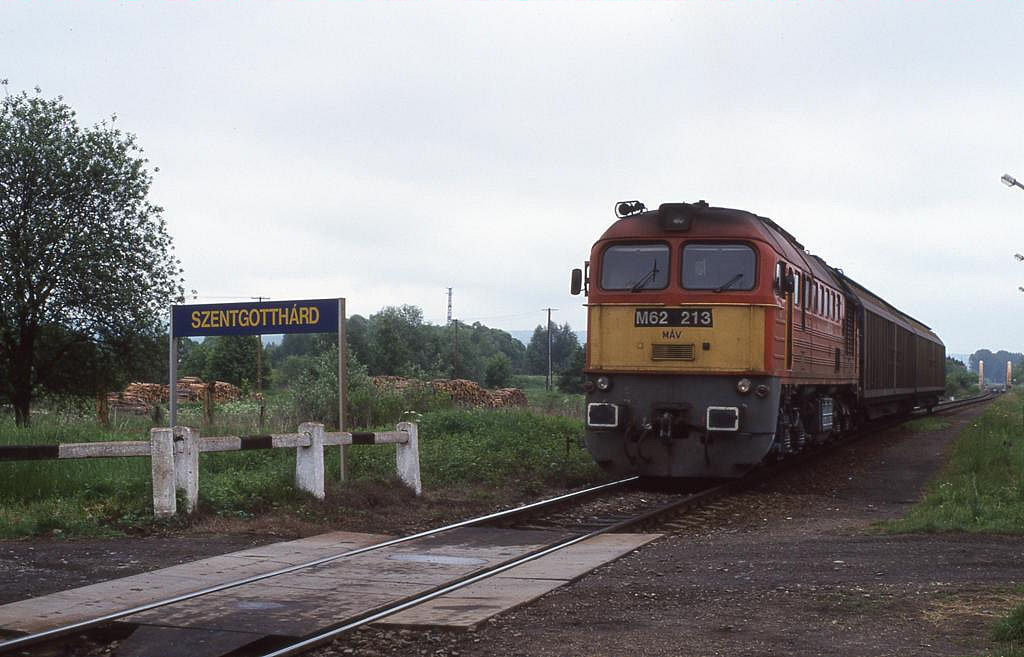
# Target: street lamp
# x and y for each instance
(1010, 181)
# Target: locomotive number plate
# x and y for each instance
(699, 317)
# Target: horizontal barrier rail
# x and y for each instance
(174, 456)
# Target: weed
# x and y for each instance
(982, 486)
(474, 452)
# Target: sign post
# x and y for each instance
(172, 390)
(261, 318)
(342, 389)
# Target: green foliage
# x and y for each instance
(498, 372)
(1011, 628)
(959, 382)
(231, 358)
(564, 346)
(982, 486)
(396, 341)
(459, 446)
(571, 379)
(88, 260)
(313, 394)
(480, 451)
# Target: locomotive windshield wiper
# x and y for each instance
(726, 285)
(646, 278)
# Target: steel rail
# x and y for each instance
(325, 636)
(722, 489)
(64, 630)
(57, 632)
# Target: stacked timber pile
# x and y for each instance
(508, 398)
(463, 392)
(140, 398)
(191, 388)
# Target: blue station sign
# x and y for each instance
(256, 318)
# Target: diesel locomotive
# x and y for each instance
(715, 341)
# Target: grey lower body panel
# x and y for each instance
(660, 425)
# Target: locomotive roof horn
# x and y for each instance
(626, 208)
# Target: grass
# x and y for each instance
(479, 453)
(926, 424)
(549, 402)
(982, 487)
(1008, 635)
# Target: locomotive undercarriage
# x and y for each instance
(679, 426)
(658, 425)
(812, 415)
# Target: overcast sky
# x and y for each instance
(387, 150)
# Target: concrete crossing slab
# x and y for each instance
(301, 603)
(466, 608)
(75, 605)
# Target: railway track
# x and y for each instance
(613, 507)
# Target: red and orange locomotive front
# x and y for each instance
(713, 339)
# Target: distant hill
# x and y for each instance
(524, 336)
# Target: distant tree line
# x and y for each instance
(395, 341)
(995, 363)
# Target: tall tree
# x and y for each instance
(88, 266)
(233, 358)
(564, 345)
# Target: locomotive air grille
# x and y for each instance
(671, 352)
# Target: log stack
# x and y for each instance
(139, 398)
(508, 398)
(462, 391)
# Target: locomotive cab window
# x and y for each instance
(719, 267)
(635, 267)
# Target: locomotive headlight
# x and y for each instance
(762, 391)
(743, 386)
(603, 383)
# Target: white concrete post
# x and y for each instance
(161, 455)
(309, 461)
(407, 457)
(186, 465)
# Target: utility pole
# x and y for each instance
(259, 352)
(549, 346)
(455, 349)
(449, 306)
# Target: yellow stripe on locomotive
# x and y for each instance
(733, 343)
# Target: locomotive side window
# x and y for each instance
(719, 267)
(796, 289)
(635, 267)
